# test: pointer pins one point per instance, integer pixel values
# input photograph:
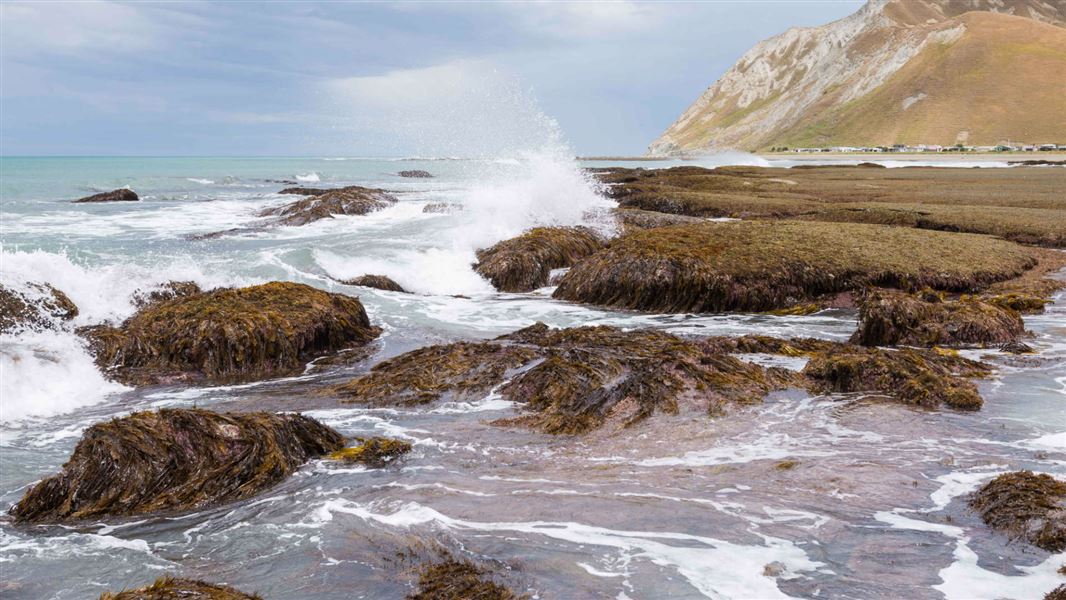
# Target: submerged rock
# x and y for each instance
(165, 291)
(228, 335)
(455, 579)
(374, 452)
(1026, 506)
(174, 460)
(323, 204)
(415, 173)
(762, 266)
(123, 195)
(524, 263)
(380, 282)
(170, 588)
(891, 318)
(37, 307)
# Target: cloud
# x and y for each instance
(76, 27)
(590, 19)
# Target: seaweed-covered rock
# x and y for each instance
(891, 318)
(761, 266)
(380, 282)
(230, 334)
(920, 377)
(171, 588)
(1026, 506)
(122, 195)
(633, 219)
(37, 306)
(165, 291)
(455, 579)
(323, 204)
(523, 263)
(1058, 593)
(415, 173)
(374, 452)
(174, 460)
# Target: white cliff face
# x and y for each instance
(781, 80)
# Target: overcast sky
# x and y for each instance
(367, 79)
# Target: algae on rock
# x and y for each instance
(173, 588)
(523, 263)
(891, 318)
(1025, 505)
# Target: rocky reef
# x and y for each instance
(37, 307)
(122, 195)
(893, 318)
(380, 282)
(171, 588)
(228, 335)
(165, 291)
(1027, 506)
(415, 173)
(523, 263)
(174, 460)
(762, 266)
(324, 203)
(455, 579)
(373, 452)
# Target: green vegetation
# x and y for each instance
(374, 452)
(1026, 506)
(891, 318)
(230, 334)
(174, 460)
(523, 263)
(170, 588)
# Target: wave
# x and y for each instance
(198, 180)
(311, 177)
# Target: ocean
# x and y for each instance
(687, 508)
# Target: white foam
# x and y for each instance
(311, 177)
(201, 181)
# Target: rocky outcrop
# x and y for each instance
(415, 173)
(1027, 506)
(380, 282)
(171, 588)
(524, 263)
(894, 318)
(37, 306)
(325, 203)
(174, 460)
(122, 195)
(373, 452)
(633, 219)
(456, 579)
(761, 266)
(228, 335)
(165, 291)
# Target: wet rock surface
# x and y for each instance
(416, 174)
(455, 579)
(374, 452)
(36, 307)
(1027, 506)
(380, 282)
(165, 291)
(524, 263)
(172, 588)
(894, 318)
(122, 195)
(174, 460)
(230, 334)
(325, 203)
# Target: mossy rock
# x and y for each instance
(380, 282)
(763, 266)
(374, 452)
(172, 588)
(174, 460)
(37, 307)
(1025, 506)
(324, 203)
(455, 579)
(229, 335)
(121, 195)
(891, 318)
(523, 263)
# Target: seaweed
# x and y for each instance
(165, 291)
(174, 460)
(230, 334)
(456, 579)
(172, 588)
(374, 452)
(324, 203)
(891, 318)
(380, 282)
(37, 307)
(1025, 505)
(523, 263)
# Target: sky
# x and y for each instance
(365, 79)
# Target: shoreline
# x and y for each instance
(870, 156)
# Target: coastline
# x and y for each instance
(818, 156)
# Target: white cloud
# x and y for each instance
(590, 18)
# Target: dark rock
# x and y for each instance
(165, 291)
(380, 282)
(123, 195)
(1025, 506)
(524, 263)
(36, 308)
(1017, 347)
(891, 318)
(416, 173)
(170, 588)
(174, 460)
(323, 204)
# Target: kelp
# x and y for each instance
(891, 318)
(324, 203)
(173, 588)
(374, 452)
(1026, 506)
(523, 263)
(763, 266)
(230, 334)
(174, 460)
(457, 579)
(380, 282)
(37, 307)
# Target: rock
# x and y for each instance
(416, 173)
(761, 266)
(1058, 593)
(323, 204)
(455, 579)
(122, 195)
(633, 219)
(306, 191)
(380, 282)
(894, 318)
(523, 263)
(1037, 163)
(571, 381)
(174, 460)
(441, 207)
(230, 335)
(38, 306)
(1025, 506)
(165, 291)
(1017, 348)
(170, 588)
(374, 452)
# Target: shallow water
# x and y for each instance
(678, 507)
